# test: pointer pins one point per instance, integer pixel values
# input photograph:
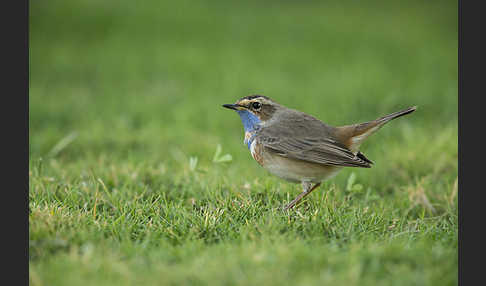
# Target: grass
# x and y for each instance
(126, 183)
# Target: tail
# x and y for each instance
(394, 115)
(353, 135)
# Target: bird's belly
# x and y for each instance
(291, 169)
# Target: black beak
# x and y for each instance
(231, 106)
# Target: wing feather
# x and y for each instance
(316, 145)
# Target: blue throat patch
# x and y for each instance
(251, 123)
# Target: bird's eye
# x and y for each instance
(256, 105)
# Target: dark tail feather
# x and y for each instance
(397, 114)
(363, 157)
(353, 135)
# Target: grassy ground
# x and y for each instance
(126, 120)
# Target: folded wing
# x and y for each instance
(320, 150)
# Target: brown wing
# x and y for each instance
(312, 150)
(305, 138)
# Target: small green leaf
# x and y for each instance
(351, 180)
(224, 158)
(221, 159)
(192, 163)
(218, 152)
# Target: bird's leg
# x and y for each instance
(308, 188)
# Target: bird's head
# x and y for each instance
(254, 110)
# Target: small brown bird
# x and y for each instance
(300, 148)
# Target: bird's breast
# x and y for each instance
(256, 150)
(291, 169)
(248, 138)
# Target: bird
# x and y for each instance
(300, 148)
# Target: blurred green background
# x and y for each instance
(141, 83)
